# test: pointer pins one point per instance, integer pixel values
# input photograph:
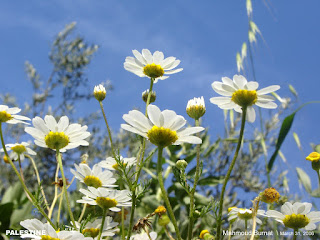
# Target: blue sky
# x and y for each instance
(204, 35)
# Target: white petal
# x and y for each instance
(173, 71)
(220, 100)
(178, 123)
(252, 85)
(158, 57)
(190, 139)
(134, 130)
(63, 123)
(155, 115)
(269, 105)
(173, 65)
(269, 89)
(251, 114)
(139, 57)
(51, 122)
(167, 62)
(168, 117)
(240, 80)
(147, 56)
(189, 131)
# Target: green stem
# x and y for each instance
(295, 233)
(55, 192)
(109, 131)
(64, 187)
(33, 200)
(164, 193)
(318, 177)
(138, 167)
(193, 190)
(229, 235)
(59, 210)
(39, 181)
(82, 212)
(255, 209)
(219, 220)
(102, 223)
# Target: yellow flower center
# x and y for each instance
(196, 111)
(92, 181)
(296, 221)
(314, 156)
(56, 140)
(116, 166)
(270, 195)
(19, 149)
(246, 215)
(162, 137)
(46, 237)
(203, 232)
(244, 98)
(153, 70)
(230, 208)
(4, 116)
(92, 232)
(106, 203)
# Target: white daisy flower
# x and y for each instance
(239, 93)
(161, 128)
(9, 115)
(111, 164)
(58, 136)
(296, 215)
(49, 233)
(99, 92)
(18, 149)
(153, 66)
(144, 236)
(106, 199)
(238, 216)
(92, 228)
(93, 178)
(196, 108)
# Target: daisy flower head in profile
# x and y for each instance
(161, 128)
(48, 232)
(62, 136)
(94, 177)
(154, 66)
(18, 150)
(144, 236)
(92, 229)
(111, 164)
(238, 216)
(296, 216)
(9, 115)
(99, 92)
(196, 108)
(106, 199)
(239, 93)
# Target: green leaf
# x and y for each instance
(305, 180)
(211, 181)
(284, 130)
(5, 213)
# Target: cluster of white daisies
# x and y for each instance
(162, 128)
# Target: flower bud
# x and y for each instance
(206, 235)
(196, 108)
(99, 92)
(196, 214)
(181, 164)
(5, 159)
(164, 220)
(269, 195)
(152, 96)
(313, 157)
